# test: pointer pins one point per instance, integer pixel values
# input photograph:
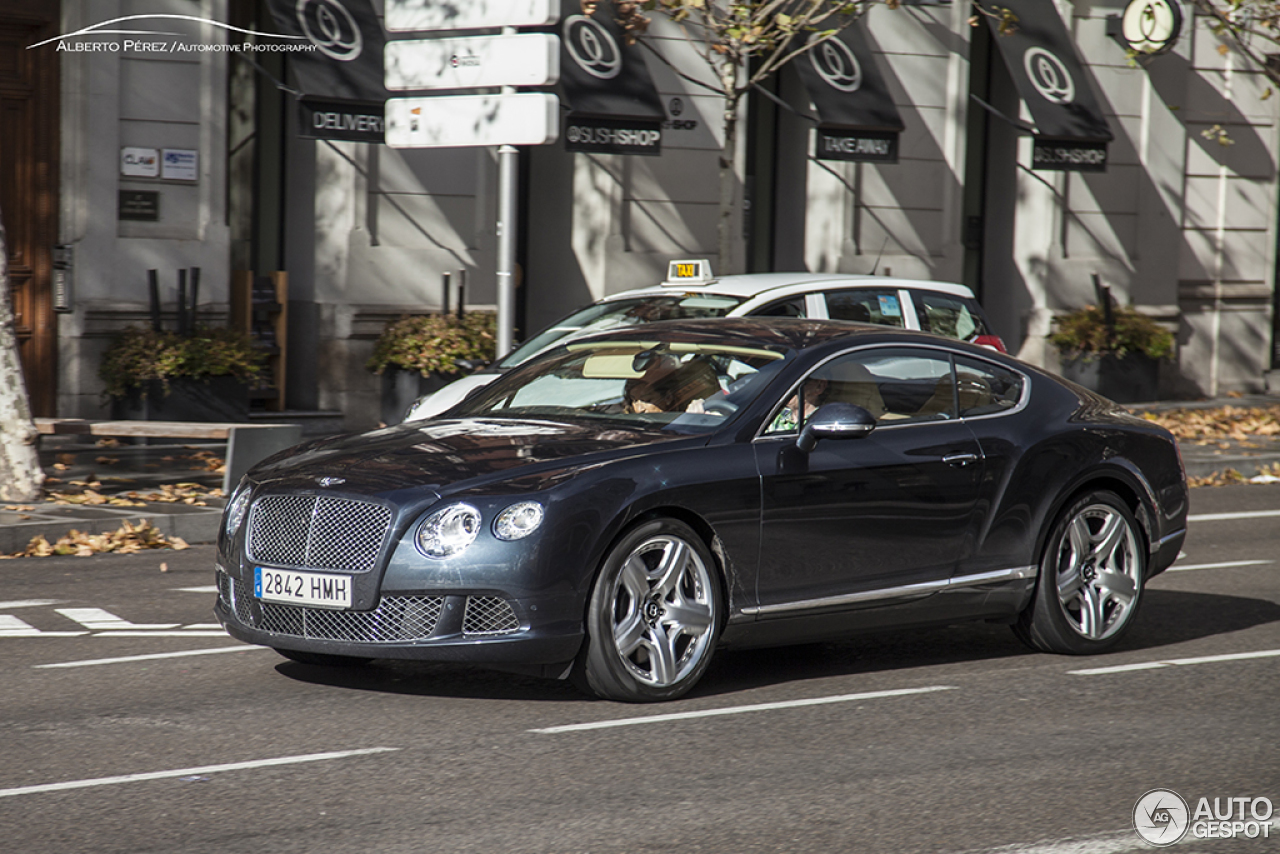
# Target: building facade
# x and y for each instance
(1181, 223)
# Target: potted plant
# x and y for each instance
(163, 376)
(1114, 351)
(419, 354)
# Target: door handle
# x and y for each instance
(960, 460)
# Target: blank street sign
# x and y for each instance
(528, 59)
(405, 16)
(453, 121)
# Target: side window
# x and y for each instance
(947, 315)
(869, 305)
(984, 388)
(793, 307)
(896, 385)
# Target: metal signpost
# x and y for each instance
(505, 119)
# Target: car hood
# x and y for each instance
(438, 454)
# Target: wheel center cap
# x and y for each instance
(652, 611)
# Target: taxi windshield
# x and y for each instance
(619, 313)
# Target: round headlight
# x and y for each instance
(235, 512)
(447, 532)
(518, 521)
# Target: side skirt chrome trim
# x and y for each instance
(1014, 574)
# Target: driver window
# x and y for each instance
(895, 385)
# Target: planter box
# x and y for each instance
(401, 388)
(1132, 379)
(209, 399)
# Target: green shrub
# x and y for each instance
(137, 355)
(1085, 333)
(430, 342)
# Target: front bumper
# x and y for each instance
(479, 628)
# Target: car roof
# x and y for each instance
(749, 285)
(789, 333)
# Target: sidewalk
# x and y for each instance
(144, 469)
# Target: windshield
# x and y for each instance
(678, 386)
(602, 316)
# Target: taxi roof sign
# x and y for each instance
(695, 271)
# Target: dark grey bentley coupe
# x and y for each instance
(619, 508)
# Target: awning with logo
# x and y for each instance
(337, 64)
(613, 106)
(858, 119)
(1071, 131)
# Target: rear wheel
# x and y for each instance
(321, 659)
(1091, 578)
(654, 616)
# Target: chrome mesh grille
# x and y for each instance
(489, 615)
(396, 619)
(317, 532)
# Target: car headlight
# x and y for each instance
(235, 512)
(447, 532)
(518, 521)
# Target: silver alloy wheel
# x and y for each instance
(662, 604)
(1098, 569)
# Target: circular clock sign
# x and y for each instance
(1151, 26)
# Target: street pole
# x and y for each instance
(508, 180)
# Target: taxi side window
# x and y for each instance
(866, 305)
(793, 307)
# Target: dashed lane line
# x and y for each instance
(1225, 565)
(152, 657)
(1227, 517)
(191, 772)
(1176, 662)
(738, 710)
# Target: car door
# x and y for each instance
(878, 518)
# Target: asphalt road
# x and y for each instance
(116, 737)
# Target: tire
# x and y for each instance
(1091, 579)
(654, 616)
(321, 659)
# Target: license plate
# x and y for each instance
(302, 588)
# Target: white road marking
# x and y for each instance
(181, 633)
(12, 627)
(99, 620)
(1174, 662)
(152, 657)
(29, 603)
(1226, 565)
(208, 588)
(1226, 517)
(738, 710)
(188, 772)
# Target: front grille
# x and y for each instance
(317, 532)
(489, 615)
(396, 619)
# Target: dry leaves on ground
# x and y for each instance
(1231, 477)
(1222, 423)
(128, 539)
(179, 493)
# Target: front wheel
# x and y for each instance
(1091, 579)
(653, 618)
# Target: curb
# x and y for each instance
(194, 524)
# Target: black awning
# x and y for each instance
(1048, 73)
(858, 119)
(345, 43)
(613, 105)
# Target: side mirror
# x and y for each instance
(835, 421)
